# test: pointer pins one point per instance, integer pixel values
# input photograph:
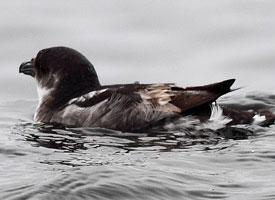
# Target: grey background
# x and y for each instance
(187, 42)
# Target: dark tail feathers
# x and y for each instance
(220, 87)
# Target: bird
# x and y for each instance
(70, 94)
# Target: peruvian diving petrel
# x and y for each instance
(70, 94)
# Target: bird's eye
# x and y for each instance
(37, 64)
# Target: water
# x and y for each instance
(190, 43)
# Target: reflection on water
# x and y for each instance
(182, 136)
(50, 137)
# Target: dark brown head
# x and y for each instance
(63, 71)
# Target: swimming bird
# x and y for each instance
(70, 93)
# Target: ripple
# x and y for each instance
(182, 160)
(11, 152)
(106, 183)
(207, 194)
(74, 139)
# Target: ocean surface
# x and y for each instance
(185, 42)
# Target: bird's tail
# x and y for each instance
(220, 87)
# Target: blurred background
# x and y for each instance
(187, 42)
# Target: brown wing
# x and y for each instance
(134, 107)
(159, 95)
(192, 97)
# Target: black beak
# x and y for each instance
(27, 68)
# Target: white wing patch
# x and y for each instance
(85, 97)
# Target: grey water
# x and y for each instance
(186, 42)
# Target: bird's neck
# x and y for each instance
(52, 100)
(44, 100)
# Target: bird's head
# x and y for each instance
(63, 71)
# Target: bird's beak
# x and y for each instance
(27, 68)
